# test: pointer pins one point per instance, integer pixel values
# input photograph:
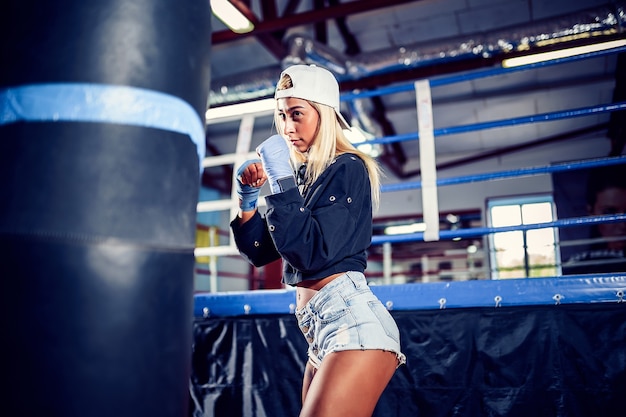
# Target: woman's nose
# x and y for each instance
(289, 126)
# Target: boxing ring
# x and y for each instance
(551, 346)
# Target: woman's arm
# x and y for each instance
(250, 178)
(249, 229)
(253, 239)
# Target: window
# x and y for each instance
(522, 253)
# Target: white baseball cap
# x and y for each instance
(315, 84)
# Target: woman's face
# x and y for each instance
(300, 122)
(611, 201)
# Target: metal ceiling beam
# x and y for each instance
(431, 70)
(299, 19)
(272, 41)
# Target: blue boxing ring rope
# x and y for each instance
(585, 111)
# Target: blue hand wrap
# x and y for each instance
(274, 154)
(248, 195)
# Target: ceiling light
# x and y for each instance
(405, 228)
(452, 218)
(238, 110)
(231, 16)
(563, 53)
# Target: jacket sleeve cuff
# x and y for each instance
(289, 196)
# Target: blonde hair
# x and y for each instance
(329, 143)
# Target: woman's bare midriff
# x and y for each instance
(305, 290)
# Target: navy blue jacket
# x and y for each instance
(326, 231)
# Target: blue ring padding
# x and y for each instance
(87, 102)
(603, 288)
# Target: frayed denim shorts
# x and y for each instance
(346, 315)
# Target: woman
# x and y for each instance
(319, 221)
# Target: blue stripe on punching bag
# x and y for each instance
(101, 103)
(97, 219)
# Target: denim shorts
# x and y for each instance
(346, 315)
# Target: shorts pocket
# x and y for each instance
(332, 309)
(385, 319)
(331, 315)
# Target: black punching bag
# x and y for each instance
(101, 129)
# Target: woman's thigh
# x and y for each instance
(309, 373)
(348, 383)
